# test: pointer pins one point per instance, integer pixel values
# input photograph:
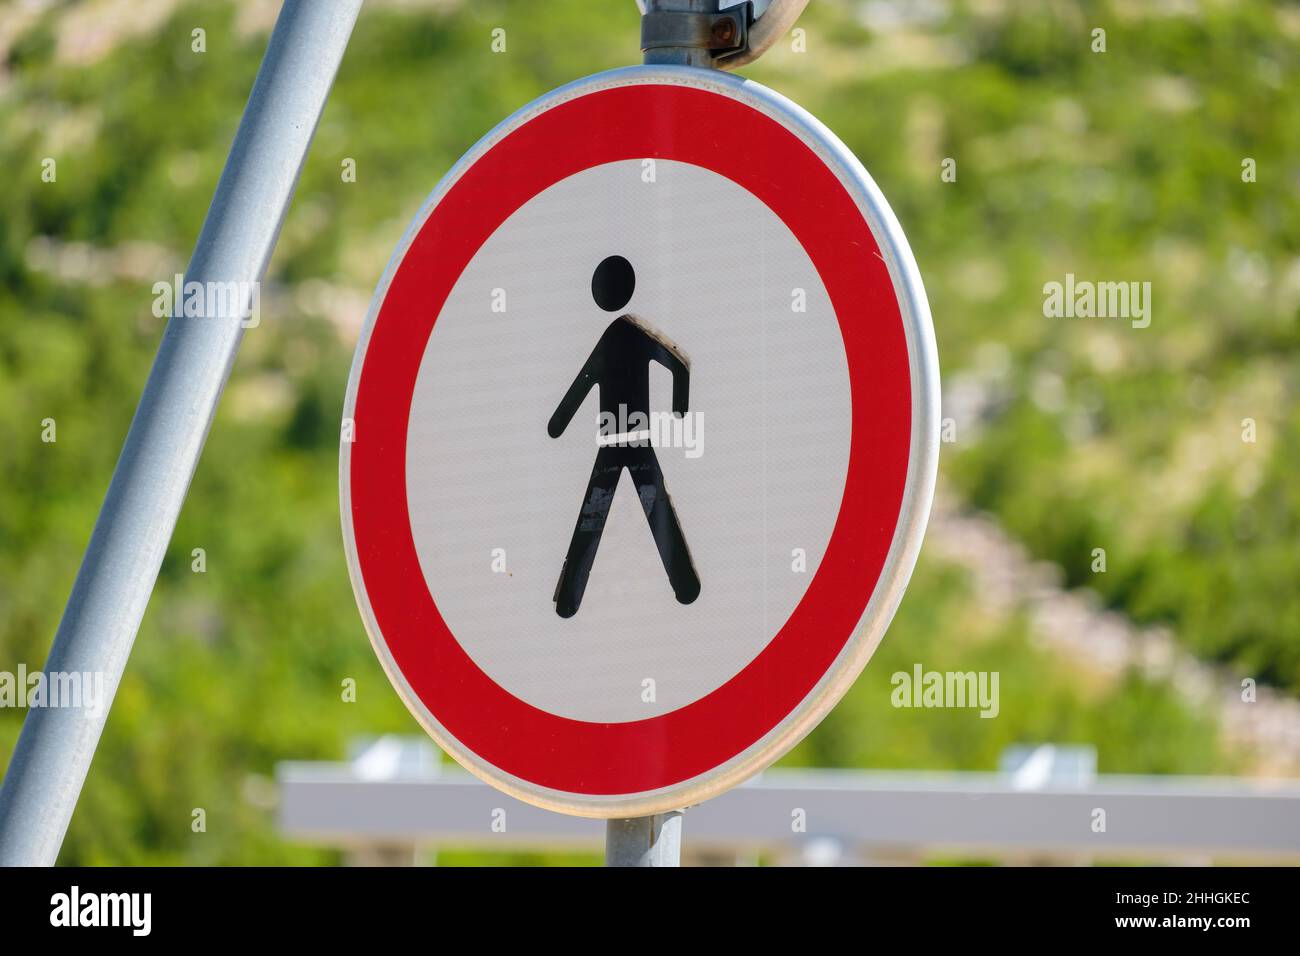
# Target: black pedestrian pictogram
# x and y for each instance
(620, 366)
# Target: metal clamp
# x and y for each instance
(694, 35)
(683, 31)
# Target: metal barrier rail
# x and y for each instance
(824, 816)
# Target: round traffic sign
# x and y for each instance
(644, 429)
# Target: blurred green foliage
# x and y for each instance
(1117, 166)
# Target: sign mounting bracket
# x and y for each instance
(714, 34)
(668, 32)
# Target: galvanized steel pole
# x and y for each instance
(162, 447)
(657, 840)
(706, 34)
(685, 33)
(644, 841)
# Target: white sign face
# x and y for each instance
(645, 436)
(754, 469)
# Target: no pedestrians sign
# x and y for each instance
(645, 426)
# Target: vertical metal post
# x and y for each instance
(657, 840)
(644, 841)
(171, 423)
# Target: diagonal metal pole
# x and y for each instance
(162, 447)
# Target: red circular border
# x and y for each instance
(735, 140)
